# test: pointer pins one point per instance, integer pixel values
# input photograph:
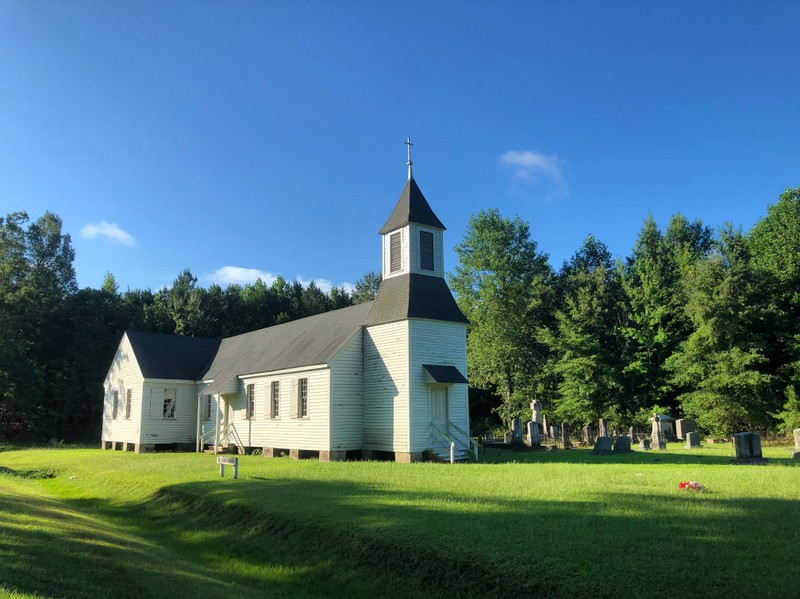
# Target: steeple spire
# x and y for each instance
(409, 163)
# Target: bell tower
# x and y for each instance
(412, 237)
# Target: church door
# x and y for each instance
(439, 407)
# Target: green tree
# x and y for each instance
(586, 343)
(720, 365)
(774, 243)
(653, 280)
(367, 287)
(503, 286)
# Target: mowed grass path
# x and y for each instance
(88, 523)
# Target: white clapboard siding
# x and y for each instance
(287, 431)
(413, 243)
(123, 375)
(386, 409)
(404, 252)
(347, 396)
(435, 342)
(182, 428)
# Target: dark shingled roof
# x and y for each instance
(163, 356)
(414, 296)
(445, 374)
(412, 207)
(303, 342)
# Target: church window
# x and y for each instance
(169, 403)
(302, 398)
(207, 407)
(128, 402)
(395, 255)
(115, 410)
(251, 402)
(426, 250)
(275, 399)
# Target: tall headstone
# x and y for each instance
(796, 452)
(545, 428)
(684, 426)
(588, 435)
(622, 444)
(748, 449)
(536, 411)
(602, 428)
(553, 432)
(692, 440)
(565, 442)
(533, 434)
(631, 434)
(657, 436)
(516, 430)
(602, 445)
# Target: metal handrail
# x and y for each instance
(452, 443)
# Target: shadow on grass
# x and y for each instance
(340, 538)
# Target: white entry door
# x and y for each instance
(439, 407)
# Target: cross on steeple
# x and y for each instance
(409, 163)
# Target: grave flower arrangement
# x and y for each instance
(691, 485)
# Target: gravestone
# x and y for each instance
(588, 435)
(748, 449)
(684, 426)
(489, 437)
(602, 428)
(692, 440)
(796, 452)
(553, 432)
(516, 430)
(602, 445)
(631, 433)
(657, 436)
(644, 444)
(536, 411)
(508, 437)
(545, 428)
(622, 444)
(565, 442)
(533, 434)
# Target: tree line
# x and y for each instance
(695, 322)
(57, 341)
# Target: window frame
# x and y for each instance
(207, 406)
(168, 412)
(302, 397)
(115, 406)
(250, 411)
(275, 399)
(128, 403)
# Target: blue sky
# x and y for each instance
(238, 138)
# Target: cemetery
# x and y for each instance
(746, 444)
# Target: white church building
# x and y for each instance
(381, 379)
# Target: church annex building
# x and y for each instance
(382, 379)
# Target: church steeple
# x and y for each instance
(413, 283)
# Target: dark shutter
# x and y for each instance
(426, 250)
(395, 256)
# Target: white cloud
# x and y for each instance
(530, 165)
(229, 275)
(109, 230)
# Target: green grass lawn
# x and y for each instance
(88, 523)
